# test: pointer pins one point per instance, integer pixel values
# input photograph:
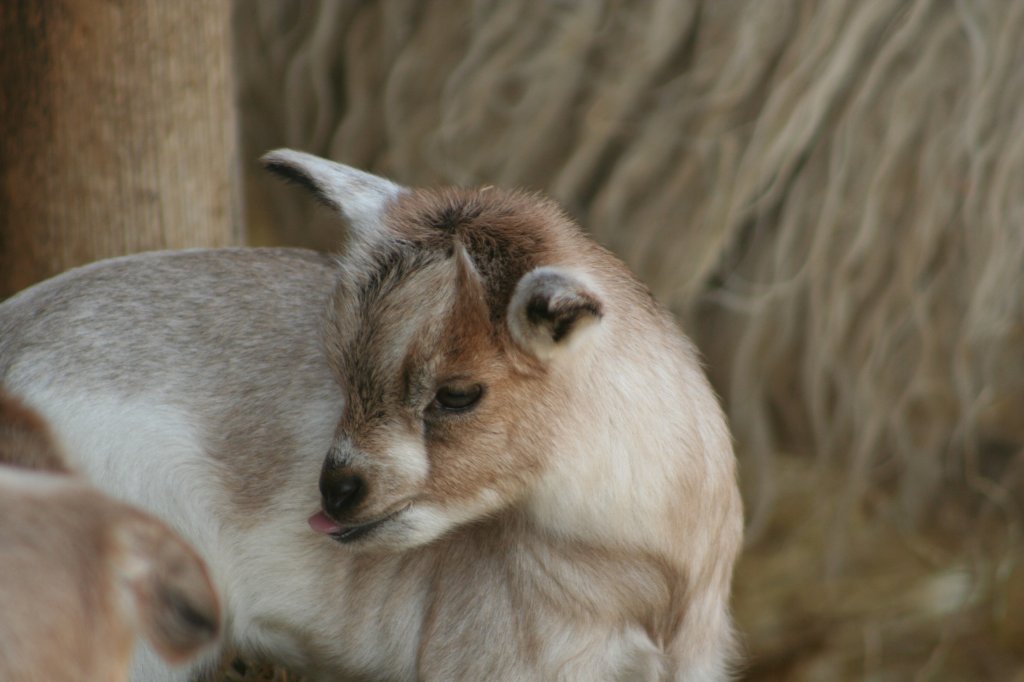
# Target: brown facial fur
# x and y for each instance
(393, 345)
(505, 234)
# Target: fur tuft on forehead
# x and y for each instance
(505, 234)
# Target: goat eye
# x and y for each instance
(457, 398)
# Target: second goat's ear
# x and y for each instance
(552, 309)
(168, 587)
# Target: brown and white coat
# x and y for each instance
(514, 464)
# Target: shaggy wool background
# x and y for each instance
(830, 195)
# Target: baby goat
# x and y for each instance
(81, 573)
(510, 461)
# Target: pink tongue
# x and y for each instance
(321, 524)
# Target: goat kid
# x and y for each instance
(510, 461)
(81, 574)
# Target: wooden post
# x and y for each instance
(117, 132)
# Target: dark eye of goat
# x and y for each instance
(457, 398)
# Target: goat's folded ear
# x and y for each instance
(168, 587)
(552, 309)
(359, 196)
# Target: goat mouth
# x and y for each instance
(346, 533)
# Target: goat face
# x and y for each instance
(450, 320)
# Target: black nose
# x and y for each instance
(342, 491)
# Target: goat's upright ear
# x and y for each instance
(552, 309)
(359, 196)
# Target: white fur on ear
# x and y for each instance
(552, 309)
(359, 196)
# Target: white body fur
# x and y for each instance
(207, 386)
